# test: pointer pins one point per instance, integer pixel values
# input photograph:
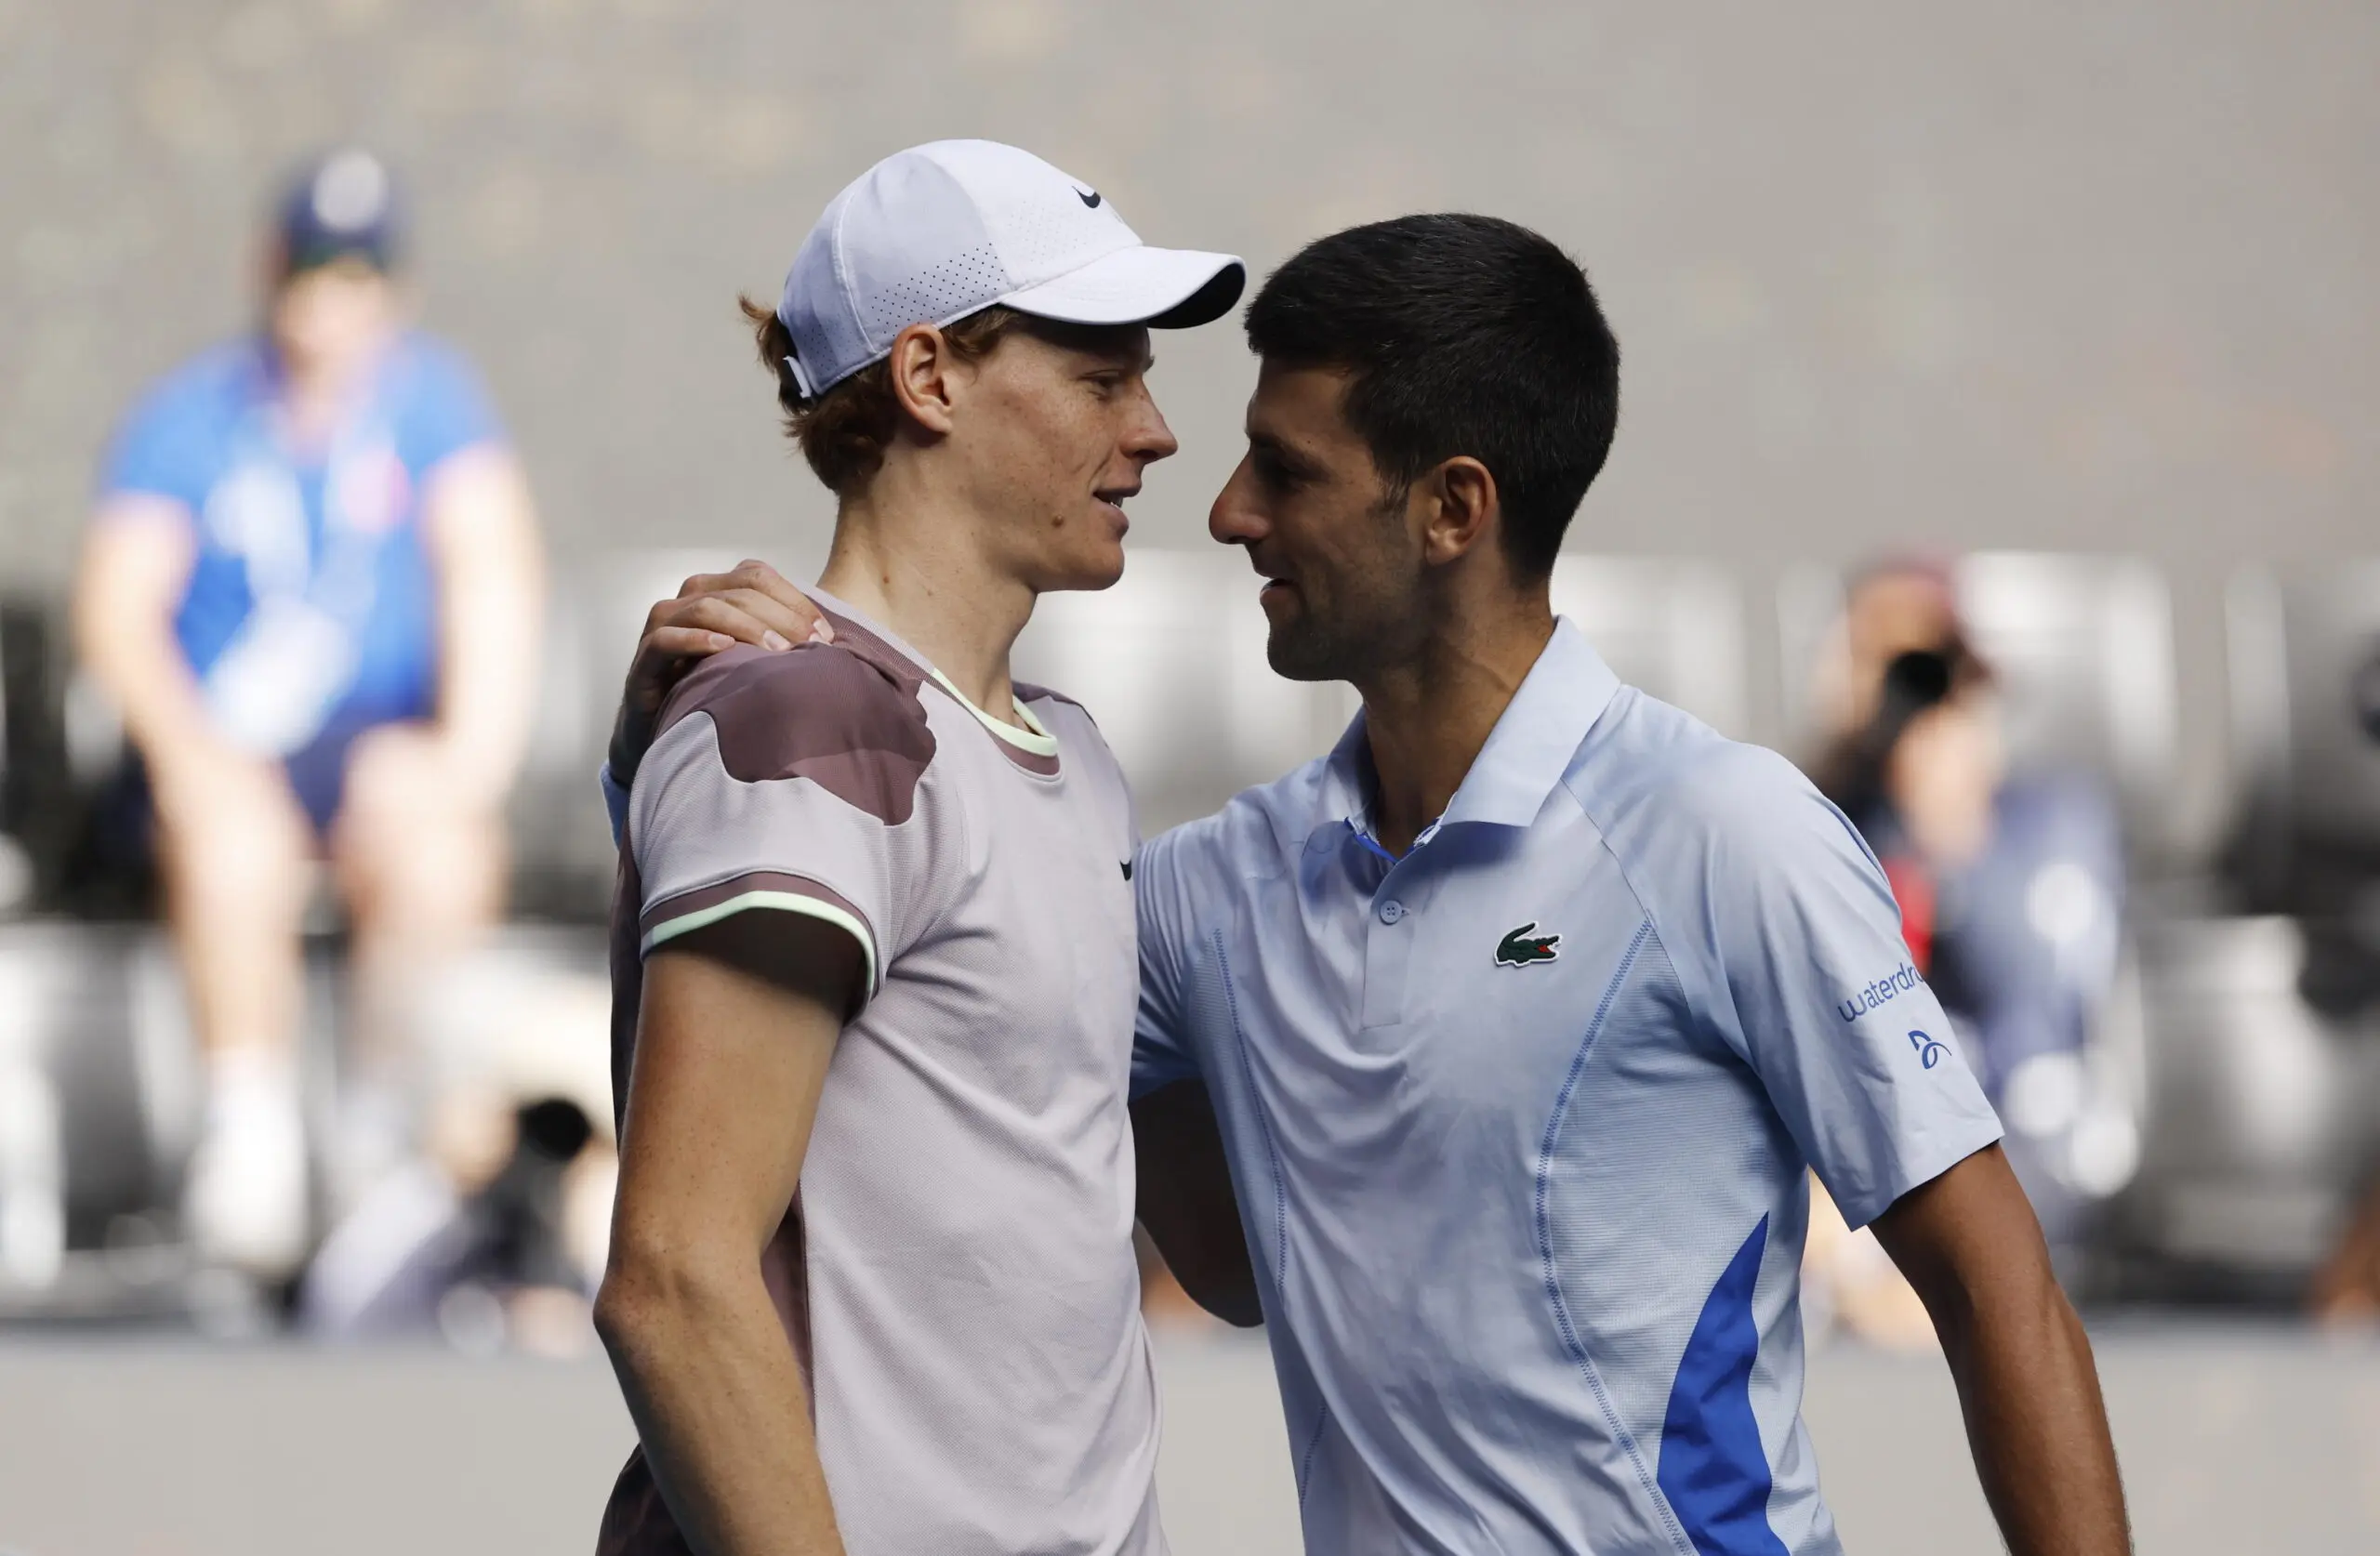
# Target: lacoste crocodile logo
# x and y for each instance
(1525, 946)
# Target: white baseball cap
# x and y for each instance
(939, 231)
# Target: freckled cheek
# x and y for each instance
(1069, 456)
(1026, 471)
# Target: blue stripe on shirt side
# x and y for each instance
(1713, 1469)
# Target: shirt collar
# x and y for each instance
(1033, 737)
(1530, 748)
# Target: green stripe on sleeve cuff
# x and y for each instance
(784, 901)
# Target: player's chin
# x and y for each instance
(1094, 565)
(1297, 651)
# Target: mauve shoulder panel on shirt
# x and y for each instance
(851, 724)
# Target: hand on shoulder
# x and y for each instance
(711, 613)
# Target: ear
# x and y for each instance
(923, 372)
(1462, 509)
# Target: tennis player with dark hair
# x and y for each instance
(1525, 1011)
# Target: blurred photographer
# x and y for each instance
(303, 587)
(2010, 884)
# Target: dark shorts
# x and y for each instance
(318, 769)
(125, 816)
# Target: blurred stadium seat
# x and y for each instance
(2305, 662)
(34, 784)
(96, 1100)
(2260, 1114)
(2262, 1078)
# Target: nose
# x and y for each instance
(1237, 518)
(1148, 439)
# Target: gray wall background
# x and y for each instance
(1886, 276)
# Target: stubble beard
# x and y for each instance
(1365, 625)
(1348, 644)
(1306, 650)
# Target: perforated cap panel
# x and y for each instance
(953, 289)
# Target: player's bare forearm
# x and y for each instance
(2039, 1429)
(738, 1024)
(2027, 1386)
(719, 1403)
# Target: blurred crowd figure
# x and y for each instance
(309, 586)
(2011, 889)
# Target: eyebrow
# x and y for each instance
(1142, 363)
(1297, 462)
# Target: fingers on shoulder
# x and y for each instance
(752, 604)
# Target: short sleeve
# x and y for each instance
(1161, 1052)
(168, 445)
(1812, 987)
(444, 408)
(788, 784)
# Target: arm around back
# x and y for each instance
(1185, 1202)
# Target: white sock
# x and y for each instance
(244, 1203)
(248, 1083)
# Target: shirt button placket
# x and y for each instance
(1387, 950)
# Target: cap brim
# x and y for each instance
(1165, 288)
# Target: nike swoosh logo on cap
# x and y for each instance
(1089, 197)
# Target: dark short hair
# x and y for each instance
(1463, 334)
(843, 433)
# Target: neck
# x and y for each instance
(1427, 719)
(912, 564)
(316, 391)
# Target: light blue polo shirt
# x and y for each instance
(1518, 1122)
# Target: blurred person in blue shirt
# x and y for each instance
(278, 590)
(2011, 883)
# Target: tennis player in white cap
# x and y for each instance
(872, 1285)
